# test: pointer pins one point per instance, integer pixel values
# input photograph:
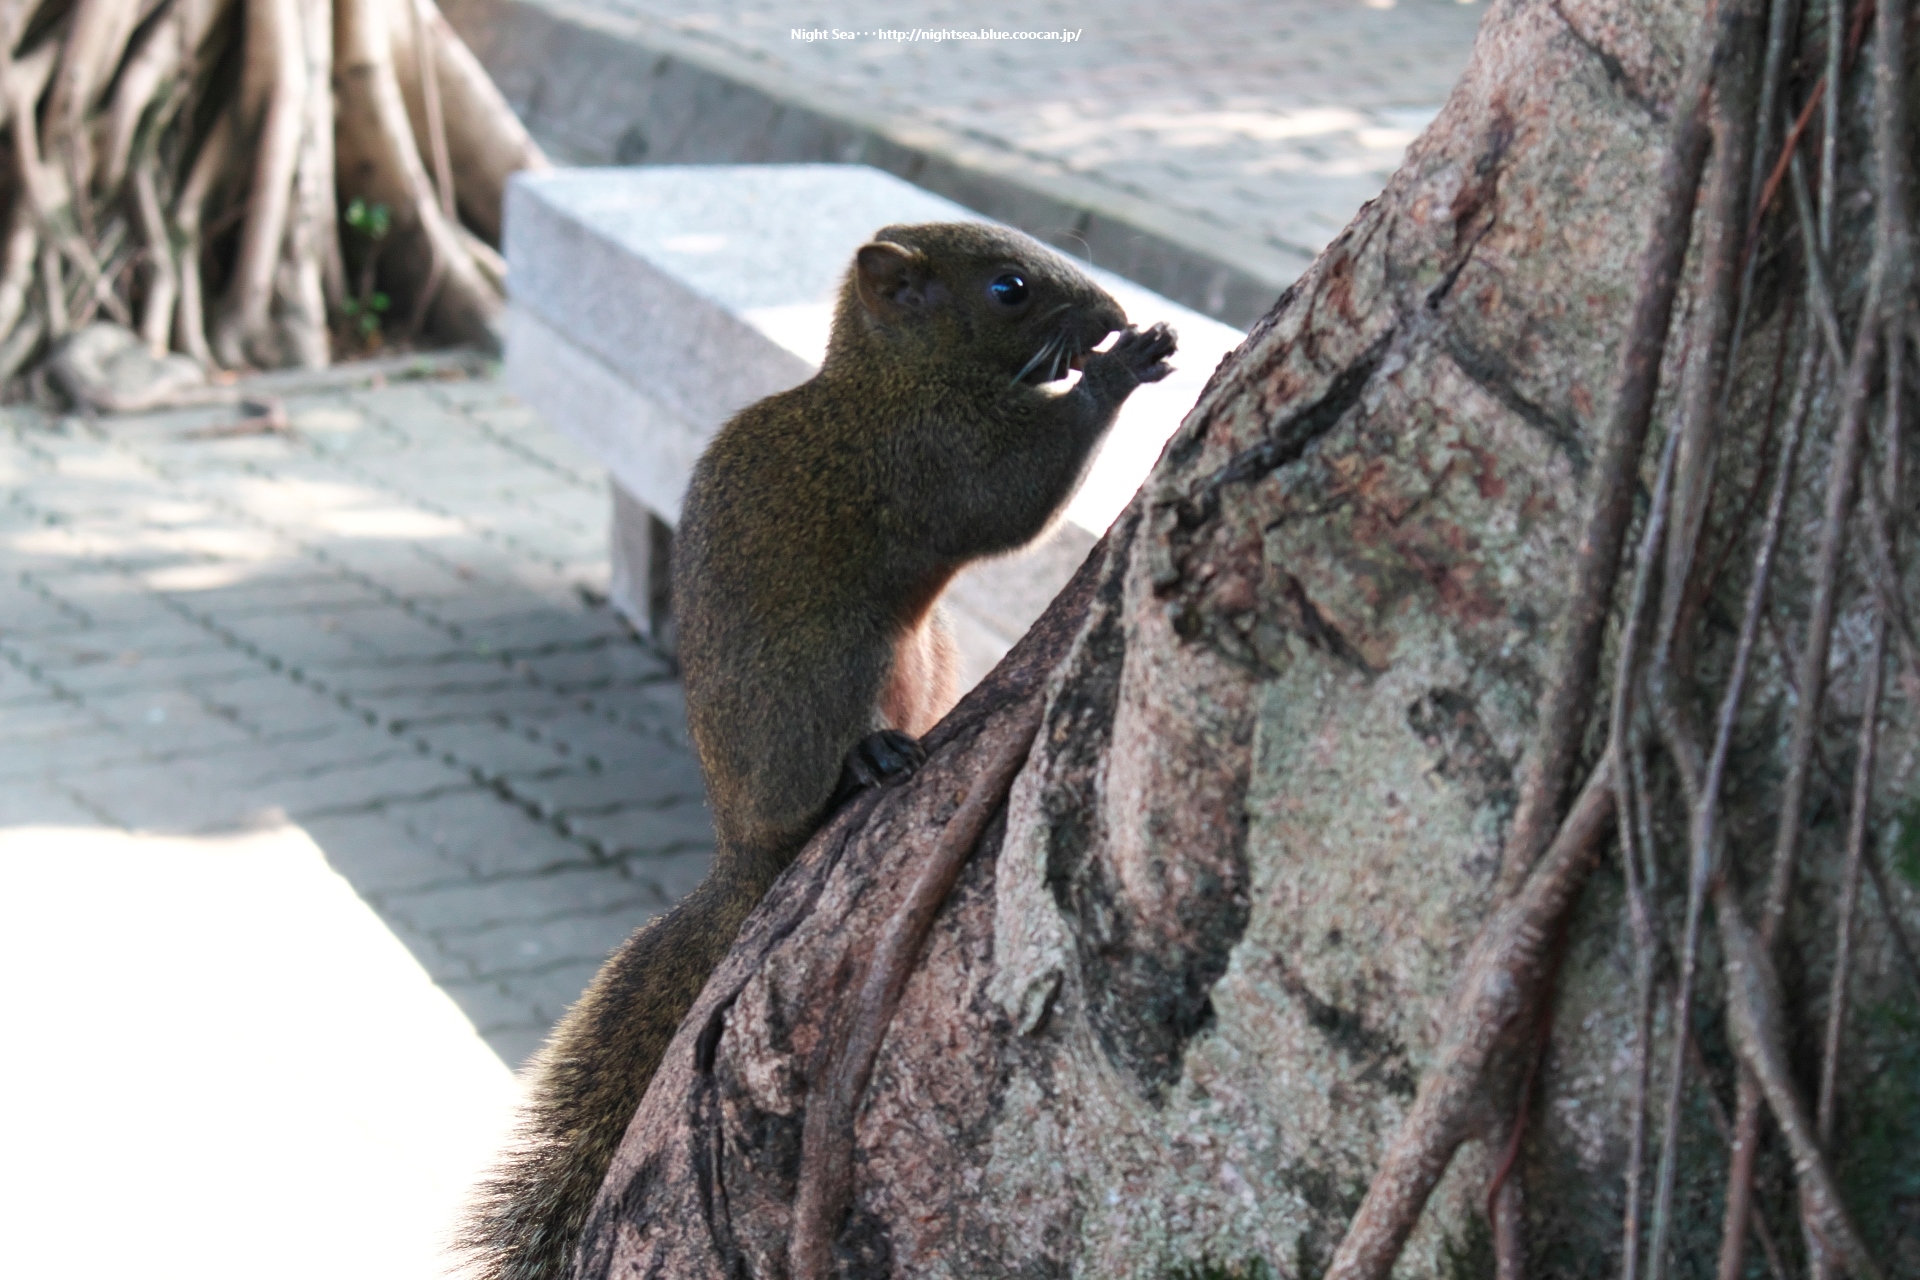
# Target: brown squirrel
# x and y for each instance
(819, 529)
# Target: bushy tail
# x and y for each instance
(526, 1218)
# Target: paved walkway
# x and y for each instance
(383, 627)
(1276, 119)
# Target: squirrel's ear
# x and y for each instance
(892, 279)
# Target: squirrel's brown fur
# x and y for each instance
(820, 528)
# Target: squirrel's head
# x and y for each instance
(1002, 298)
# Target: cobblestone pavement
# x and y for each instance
(384, 625)
(1277, 119)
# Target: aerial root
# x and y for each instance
(838, 1077)
(213, 228)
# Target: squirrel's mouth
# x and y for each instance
(1058, 354)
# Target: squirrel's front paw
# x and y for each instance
(1141, 352)
(877, 758)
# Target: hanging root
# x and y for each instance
(1734, 97)
(190, 326)
(838, 1078)
(377, 147)
(1501, 984)
(168, 180)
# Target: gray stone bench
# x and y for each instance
(650, 304)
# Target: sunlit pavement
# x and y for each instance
(326, 780)
(219, 1063)
(1274, 120)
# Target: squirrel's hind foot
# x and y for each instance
(878, 758)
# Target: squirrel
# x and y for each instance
(819, 529)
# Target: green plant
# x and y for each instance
(365, 309)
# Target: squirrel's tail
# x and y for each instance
(526, 1218)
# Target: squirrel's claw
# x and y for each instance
(1143, 352)
(877, 758)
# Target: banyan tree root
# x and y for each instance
(1506, 981)
(180, 169)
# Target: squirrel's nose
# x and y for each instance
(1112, 317)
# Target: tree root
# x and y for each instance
(379, 160)
(839, 1075)
(1576, 658)
(486, 143)
(102, 149)
(1759, 1038)
(1501, 984)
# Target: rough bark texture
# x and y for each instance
(1184, 993)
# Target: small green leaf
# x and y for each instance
(378, 301)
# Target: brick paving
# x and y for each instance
(1275, 119)
(384, 626)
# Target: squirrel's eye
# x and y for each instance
(1008, 290)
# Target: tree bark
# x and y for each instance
(1247, 886)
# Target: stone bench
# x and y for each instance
(650, 304)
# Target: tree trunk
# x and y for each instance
(1305, 932)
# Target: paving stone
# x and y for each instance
(273, 704)
(486, 835)
(505, 700)
(473, 907)
(615, 664)
(591, 738)
(128, 642)
(173, 796)
(445, 968)
(297, 640)
(678, 867)
(378, 856)
(419, 691)
(80, 756)
(102, 597)
(389, 632)
(551, 989)
(160, 722)
(577, 941)
(206, 793)
(496, 751)
(511, 626)
(514, 1043)
(104, 673)
(301, 591)
(34, 802)
(660, 707)
(516, 1017)
(27, 613)
(663, 782)
(37, 714)
(348, 745)
(386, 779)
(666, 830)
(313, 645)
